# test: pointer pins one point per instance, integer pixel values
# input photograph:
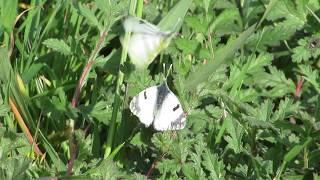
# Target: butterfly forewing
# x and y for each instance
(135, 25)
(158, 105)
(143, 105)
(146, 41)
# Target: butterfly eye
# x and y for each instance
(145, 94)
(175, 108)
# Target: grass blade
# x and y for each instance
(222, 56)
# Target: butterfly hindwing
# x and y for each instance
(169, 115)
(143, 105)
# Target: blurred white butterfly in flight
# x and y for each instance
(157, 105)
(146, 41)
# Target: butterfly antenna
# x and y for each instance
(169, 70)
(177, 25)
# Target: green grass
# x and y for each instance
(246, 72)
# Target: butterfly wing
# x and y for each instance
(143, 105)
(143, 48)
(146, 41)
(170, 115)
(135, 25)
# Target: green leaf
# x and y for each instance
(212, 164)
(187, 46)
(222, 56)
(196, 24)
(104, 168)
(236, 132)
(243, 73)
(58, 45)
(269, 7)
(101, 111)
(32, 72)
(285, 109)
(301, 53)
(296, 150)
(189, 171)
(312, 76)
(90, 16)
(224, 18)
(173, 20)
(8, 13)
(4, 109)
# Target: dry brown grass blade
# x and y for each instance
(24, 127)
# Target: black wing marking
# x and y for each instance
(178, 123)
(176, 108)
(145, 94)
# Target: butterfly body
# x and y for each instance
(157, 105)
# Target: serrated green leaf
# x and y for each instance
(58, 45)
(286, 108)
(226, 17)
(189, 171)
(236, 133)
(311, 76)
(300, 54)
(212, 164)
(90, 16)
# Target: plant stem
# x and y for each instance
(87, 68)
(139, 8)
(280, 170)
(305, 158)
(117, 98)
(76, 95)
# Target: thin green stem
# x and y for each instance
(313, 14)
(117, 97)
(280, 170)
(305, 158)
(139, 8)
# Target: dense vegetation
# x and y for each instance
(246, 72)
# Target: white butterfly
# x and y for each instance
(146, 41)
(157, 105)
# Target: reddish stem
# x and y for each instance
(76, 95)
(81, 83)
(299, 88)
(153, 166)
